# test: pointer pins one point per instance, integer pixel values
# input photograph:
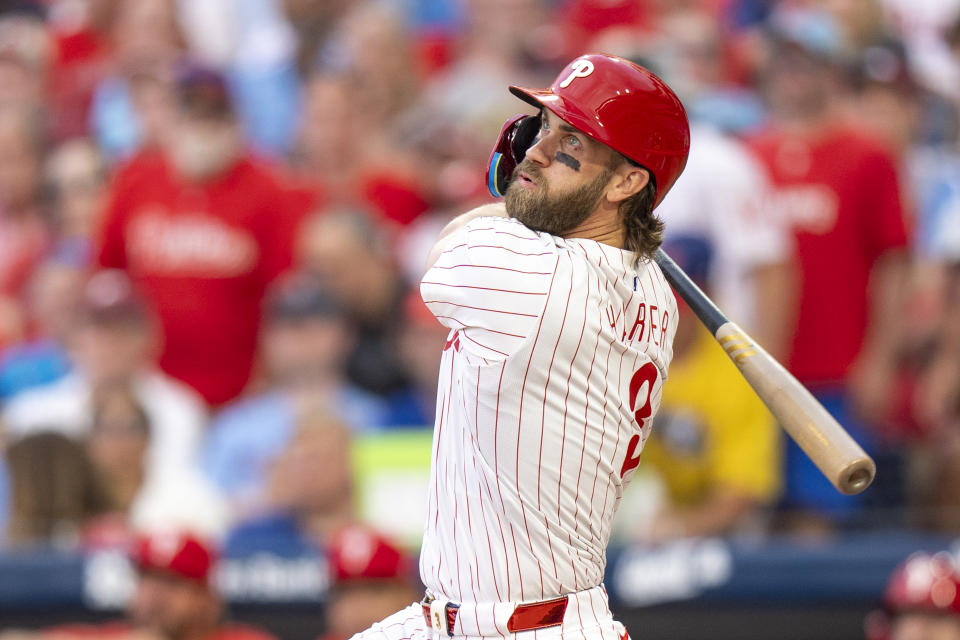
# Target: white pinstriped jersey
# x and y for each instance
(553, 368)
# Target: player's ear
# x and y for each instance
(628, 179)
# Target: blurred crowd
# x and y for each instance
(213, 217)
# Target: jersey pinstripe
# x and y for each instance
(553, 368)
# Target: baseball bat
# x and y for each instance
(829, 446)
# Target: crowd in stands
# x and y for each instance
(213, 217)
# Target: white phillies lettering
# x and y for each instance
(581, 69)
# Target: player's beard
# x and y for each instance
(556, 214)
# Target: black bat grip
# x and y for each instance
(703, 306)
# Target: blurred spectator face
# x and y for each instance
(171, 605)
(113, 338)
(305, 340)
(797, 84)
(53, 295)
(205, 139)
(885, 102)
(326, 136)
(920, 626)
(860, 20)
(344, 251)
(76, 176)
(202, 149)
(19, 161)
(26, 49)
(118, 440)
(111, 349)
(504, 25)
(889, 113)
(172, 597)
(311, 11)
(691, 54)
(323, 443)
(377, 51)
(146, 34)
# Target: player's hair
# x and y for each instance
(643, 231)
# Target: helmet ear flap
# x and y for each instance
(516, 136)
(524, 133)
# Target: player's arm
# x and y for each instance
(874, 372)
(497, 209)
(488, 278)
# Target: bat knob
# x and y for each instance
(857, 476)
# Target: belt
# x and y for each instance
(442, 615)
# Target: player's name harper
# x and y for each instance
(649, 323)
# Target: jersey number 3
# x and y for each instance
(645, 374)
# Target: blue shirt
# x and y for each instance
(247, 436)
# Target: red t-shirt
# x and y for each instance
(203, 255)
(841, 196)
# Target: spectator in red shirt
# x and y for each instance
(174, 598)
(371, 577)
(202, 229)
(839, 192)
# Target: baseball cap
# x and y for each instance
(358, 553)
(202, 91)
(300, 297)
(177, 553)
(109, 296)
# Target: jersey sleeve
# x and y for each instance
(491, 284)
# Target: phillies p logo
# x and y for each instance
(579, 69)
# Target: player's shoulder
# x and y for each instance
(507, 232)
(506, 242)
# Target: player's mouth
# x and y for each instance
(526, 181)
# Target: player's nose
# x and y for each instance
(538, 152)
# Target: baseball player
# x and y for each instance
(560, 338)
(921, 601)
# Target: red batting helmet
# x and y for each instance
(924, 583)
(618, 103)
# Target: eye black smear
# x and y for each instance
(568, 160)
